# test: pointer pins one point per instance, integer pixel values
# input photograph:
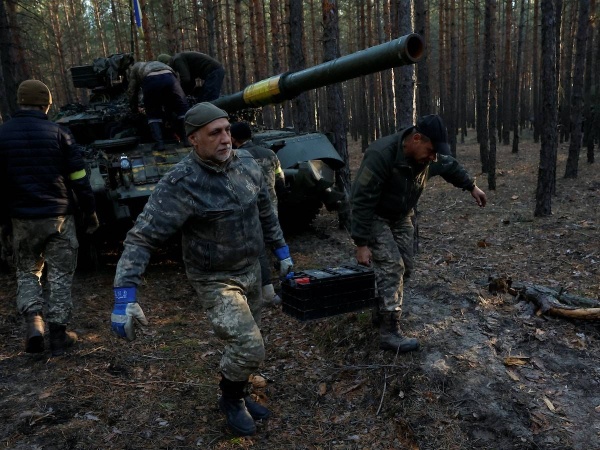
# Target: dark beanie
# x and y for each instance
(240, 131)
(33, 92)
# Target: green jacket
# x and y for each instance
(388, 185)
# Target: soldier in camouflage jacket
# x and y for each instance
(241, 135)
(388, 185)
(218, 199)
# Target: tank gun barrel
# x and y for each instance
(402, 51)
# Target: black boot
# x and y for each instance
(390, 336)
(157, 135)
(60, 339)
(233, 406)
(35, 332)
(256, 410)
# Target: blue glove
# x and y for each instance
(126, 312)
(285, 260)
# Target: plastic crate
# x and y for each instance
(318, 293)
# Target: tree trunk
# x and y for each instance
(547, 165)
(239, 39)
(451, 111)
(491, 51)
(404, 76)
(537, 110)
(276, 51)
(577, 92)
(484, 145)
(423, 91)
(506, 76)
(516, 104)
(10, 70)
(335, 108)
(302, 110)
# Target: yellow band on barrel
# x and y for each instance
(263, 92)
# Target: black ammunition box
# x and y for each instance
(318, 293)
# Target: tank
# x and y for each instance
(124, 168)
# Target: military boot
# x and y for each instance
(256, 410)
(157, 135)
(390, 336)
(232, 404)
(34, 342)
(61, 339)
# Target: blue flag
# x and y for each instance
(137, 13)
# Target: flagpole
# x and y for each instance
(131, 28)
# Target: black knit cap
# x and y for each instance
(241, 131)
(433, 127)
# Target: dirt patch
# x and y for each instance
(491, 374)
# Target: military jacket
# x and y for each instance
(388, 185)
(192, 65)
(138, 72)
(222, 212)
(270, 165)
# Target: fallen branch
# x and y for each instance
(550, 301)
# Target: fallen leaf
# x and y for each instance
(549, 404)
(322, 389)
(513, 376)
(515, 360)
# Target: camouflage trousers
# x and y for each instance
(233, 305)
(391, 245)
(52, 242)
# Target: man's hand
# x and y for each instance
(479, 196)
(285, 260)
(92, 223)
(363, 255)
(126, 313)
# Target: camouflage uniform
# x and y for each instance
(220, 211)
(270, 165)
(271, 168)
(52, 240)
(384, 193)
(44, 170)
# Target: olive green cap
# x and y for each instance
(164, 58)
(202, 114)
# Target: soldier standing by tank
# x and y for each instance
(160, 89)
(43, 169)
(387, 186)
(200, 75)
(241, 136)
(219, 201)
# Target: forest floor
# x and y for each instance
(492, 372)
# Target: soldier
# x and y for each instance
(200, 75)
(241, 136)
(388, 185)
(160, 89)
(43, 169)
(219, 201)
